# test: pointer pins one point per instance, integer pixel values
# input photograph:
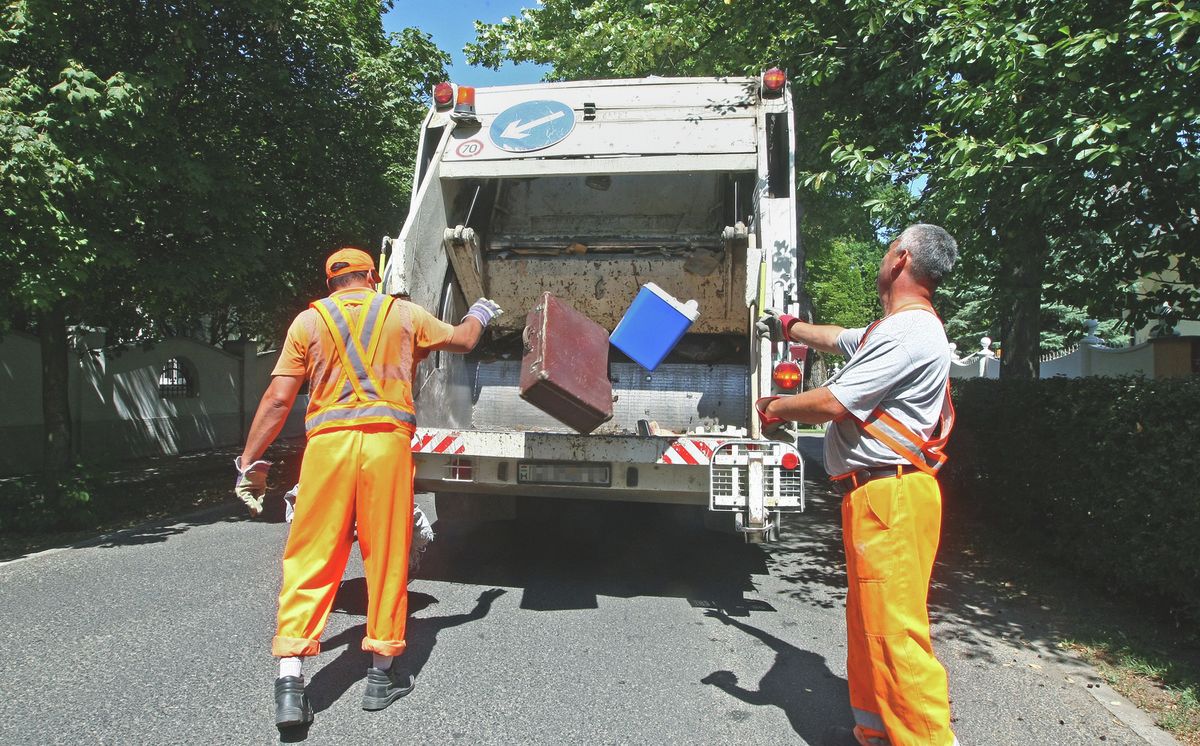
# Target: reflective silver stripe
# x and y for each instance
(910, 451)
(353, 413)
(870, 720)
(360, 369)
(372, 311)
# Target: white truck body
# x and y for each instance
(623, 182)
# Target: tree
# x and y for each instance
(842, 282)
(1057, 139)
(185, 165)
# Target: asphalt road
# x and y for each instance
(587, 623)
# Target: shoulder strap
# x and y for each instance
(926, 455)
(348, 340)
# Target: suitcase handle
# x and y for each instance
(525, 335)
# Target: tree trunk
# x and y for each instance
(56, 402)
(1020, 349)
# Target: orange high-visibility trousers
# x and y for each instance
(898, 691)
(362, 476)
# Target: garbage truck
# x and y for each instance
(590, 190)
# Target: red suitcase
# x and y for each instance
(564, 371)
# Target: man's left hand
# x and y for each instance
(775, 325)
(769, 423)
(483, 311)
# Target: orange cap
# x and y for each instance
(354, 260)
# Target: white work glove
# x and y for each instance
(483, 311)
(251, 484)
(774, 325)
(422, 536)
(289, 503)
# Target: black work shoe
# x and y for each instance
(385, 687)
(291, 703)
(839, 736)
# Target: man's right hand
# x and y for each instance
(775, 325)
(251, 484)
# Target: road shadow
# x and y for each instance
(566, 553)
(979, 595)
(351, 598)
(799, 682)
(331, 683)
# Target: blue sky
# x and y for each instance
(451, 24)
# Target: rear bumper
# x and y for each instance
(629, 482)
(660, 469)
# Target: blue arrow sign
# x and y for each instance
(532, 125)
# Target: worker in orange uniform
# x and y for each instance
(356, 348)
(889, 415)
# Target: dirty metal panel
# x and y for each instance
(679, 397)
(614, 205)
(602, 286)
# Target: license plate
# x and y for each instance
(556, 472)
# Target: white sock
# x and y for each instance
(290, 667)
(382, 662)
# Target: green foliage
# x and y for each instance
(177, 169)
(1097, 473)
(841, 282)
(1059, 140)
(30, 505)
(182, 168)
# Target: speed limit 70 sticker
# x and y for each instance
(469, 148)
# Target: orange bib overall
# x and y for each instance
(357, 469)
(890, 530)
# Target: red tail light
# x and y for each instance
(786, 375)
(443, 94)
(773, 81)
(789, 461)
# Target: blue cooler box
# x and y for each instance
(653, 325)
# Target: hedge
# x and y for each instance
(1102, 474)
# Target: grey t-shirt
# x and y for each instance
(903, 368)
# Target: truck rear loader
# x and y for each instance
(589, 190)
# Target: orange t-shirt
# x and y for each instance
(409, 333)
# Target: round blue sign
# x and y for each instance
(532, 125)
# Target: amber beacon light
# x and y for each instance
(464, 104)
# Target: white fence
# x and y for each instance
(1161, 357)
(175, 397)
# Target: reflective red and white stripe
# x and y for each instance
(689, 451)
(438, 443)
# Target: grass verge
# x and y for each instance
(1154, 680)
(1134, 643)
